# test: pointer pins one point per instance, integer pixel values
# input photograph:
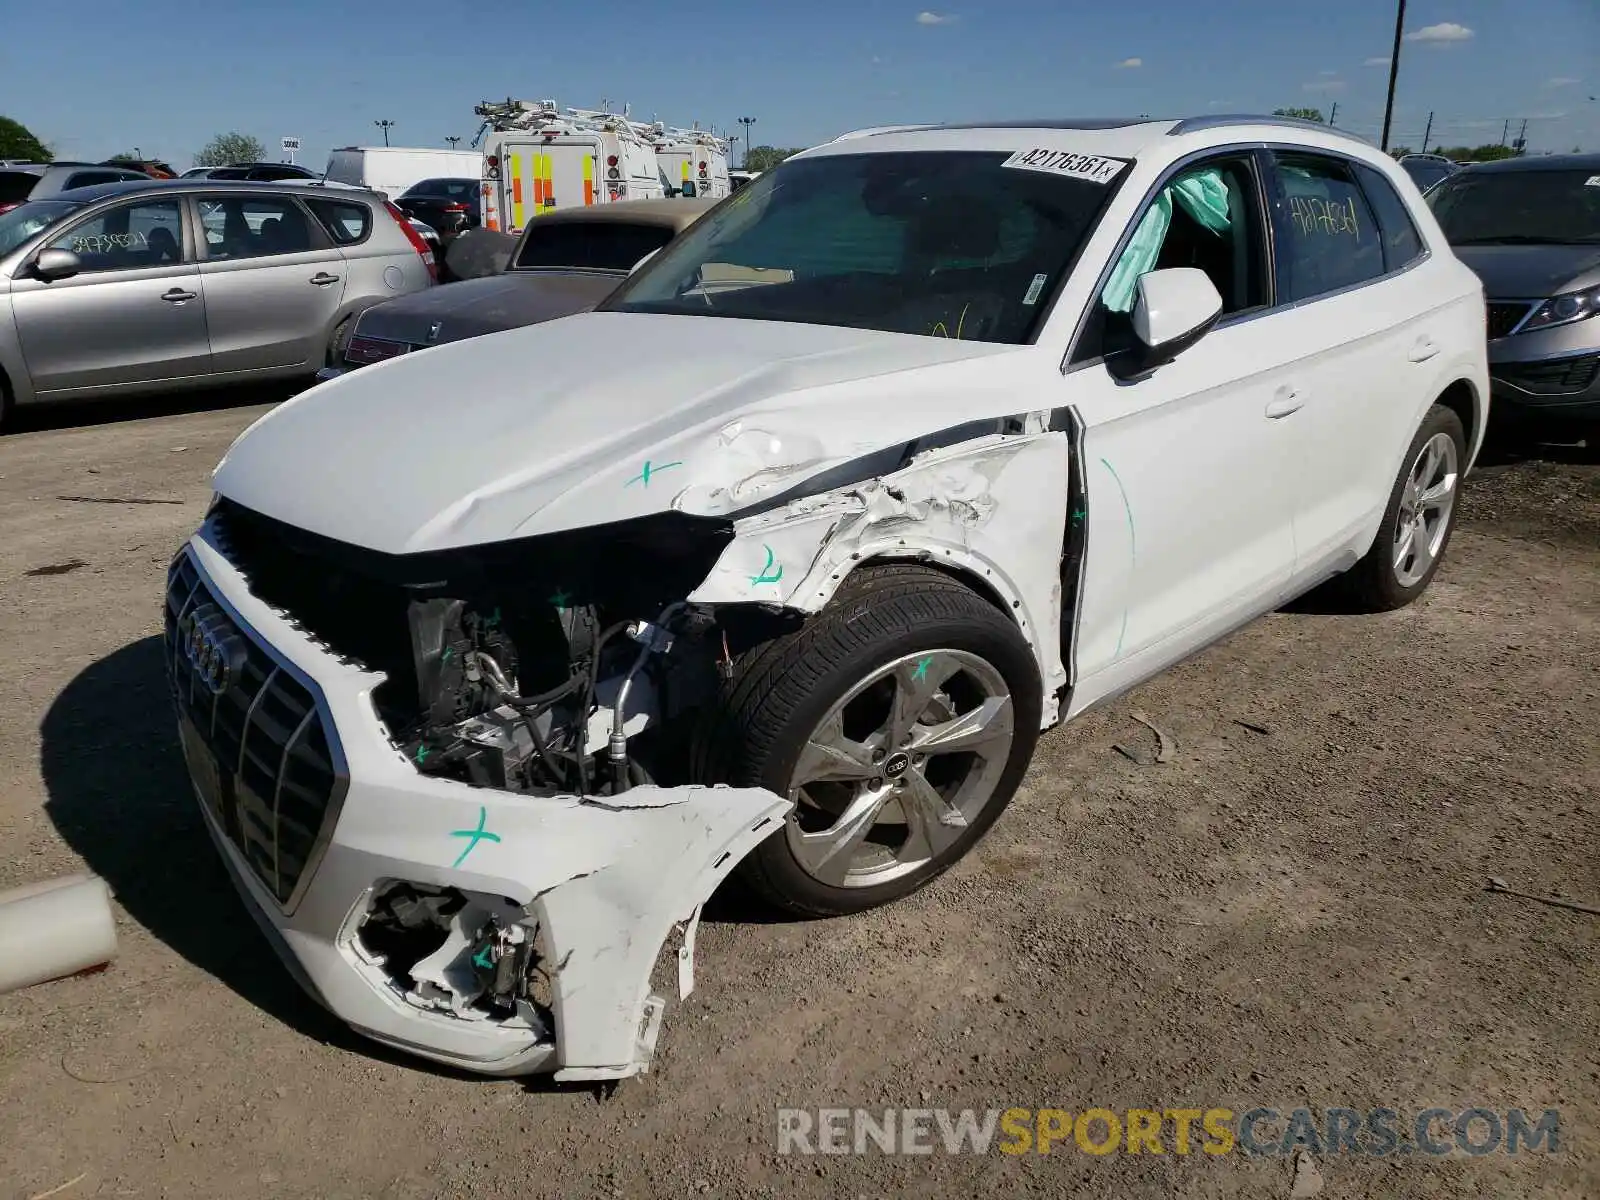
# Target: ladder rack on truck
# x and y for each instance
(695, 161)
(538, 157)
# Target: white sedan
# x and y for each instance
(492, 662)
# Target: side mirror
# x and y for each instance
(642, 261)
(1173, 310)
(52, 265)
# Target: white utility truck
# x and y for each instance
(392, 169)
(538, 157)
(694, 161)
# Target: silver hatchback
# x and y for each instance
(138, 287)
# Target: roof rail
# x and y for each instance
(877, 129)
(1228, 120)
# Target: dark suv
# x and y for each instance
(1530, 228)
(39, 181)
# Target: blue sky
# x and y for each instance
(165, 75)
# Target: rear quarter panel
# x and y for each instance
(381, 268)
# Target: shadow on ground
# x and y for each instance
(118, 793)
(33, 418)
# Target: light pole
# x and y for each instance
(385, 125)
(452, 141)
(1394, 70)
(747, 122)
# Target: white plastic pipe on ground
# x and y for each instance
(53, 929)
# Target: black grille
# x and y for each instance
(1504, 317)
(260, 750)
(1552, 378)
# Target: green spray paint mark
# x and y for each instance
(560, 597)
(1133, 549)
(493, 618)
(767, 575)
(448, 651)
(649, 472)
(422, 754)
(483, 959)
(477, 835)
(922, 668)
(1078, 515)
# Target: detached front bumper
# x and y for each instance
(315, 812)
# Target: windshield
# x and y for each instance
(589, 245)
(22, 222)
(1519, 207)
(938, 243)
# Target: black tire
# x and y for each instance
(1373, 584)
(340, 341)
(781, 690)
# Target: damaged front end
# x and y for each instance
(509, 833)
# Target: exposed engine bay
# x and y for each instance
(540, 697)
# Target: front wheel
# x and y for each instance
(900, 721)
(1418, 521)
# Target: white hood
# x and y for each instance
(550, 427)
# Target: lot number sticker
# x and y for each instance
(1062, 162)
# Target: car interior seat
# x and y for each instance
(162, 246)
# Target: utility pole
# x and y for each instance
(385, 125)
(1521, 144)
(452, 141)
(1427, 133)
(1394, 70)
(747, 122)
(1505, 131)
(1334, 112)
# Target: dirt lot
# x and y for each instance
(1289, 916)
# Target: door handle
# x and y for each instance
(1423, 349)
(323, 279)
(1285, 400)
(178, 295)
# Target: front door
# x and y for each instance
(1188, 473)
(273, 282)
(134, 315)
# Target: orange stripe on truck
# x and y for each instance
(588, 179)
(516, 191)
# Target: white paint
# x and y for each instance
(992, 508)
(1090, 167)
(1252, 466)
(1172, 304)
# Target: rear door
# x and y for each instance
(132, 317)
(274, 282)
(1369, 324)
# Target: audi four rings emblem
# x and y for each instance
(213, 649)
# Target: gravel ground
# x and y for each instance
(1291, 913)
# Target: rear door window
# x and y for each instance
(238, 227)
(347, 223)
(1326, 235)
(593, 245)
(1402, 244)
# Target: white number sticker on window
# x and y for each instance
(1062, 162)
